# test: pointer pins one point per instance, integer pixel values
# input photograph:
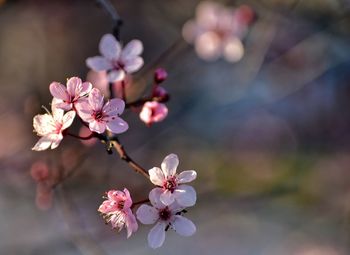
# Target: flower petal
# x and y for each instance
(43, 124)
(98, 127)
(43, 144)
(133, 65)
(117, 125)
(68, 119)
(114, 107)
(147, 214)
(56, 140)
(130, 222)
(59, 91)
(169, 165)
(131, 50)
(186, 176)
(154, 198)
(109, 47)
(99, 63)
(183, 226)
(85, 89)
(84, 110)
(167, 197)
(116, 75)
(156, 176)
(185, 195)
(96, 99)
(73, 85)
(156, 236)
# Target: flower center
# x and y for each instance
(165, 214)
(98, 115)
(170, 184)
(118, 65)
(121, 204)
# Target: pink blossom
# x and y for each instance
(39, 171)
(102, 116)
(171, 185)
(153, 112)
(50, 127)
(163, 217)
(115, 60)
(218, 30)
(117, 210)
(68, 96)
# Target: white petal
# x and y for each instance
(98, 127)
(43, 144)
(116, 75)
(109, 47)
(131, 50)
(154, 198)
(186, 176)
(167, 197)
(156, 236)
(56, 140)
(147, 214)
(233, 50)
(156, 176)
(43, 124)
(183, 226)
(185, 195)
(99, 63)
(68, 119)
(169, 165)
(133, 65)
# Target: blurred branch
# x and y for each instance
(116, 19)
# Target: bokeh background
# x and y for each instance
(269, 136)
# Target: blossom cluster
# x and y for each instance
(169, 200)
(218, 30)
(101, 118)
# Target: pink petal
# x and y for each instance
(96, 99)
(59, 91)
(156, 236)
(130, 223)
(57, 113)
(169, 165)
(133, 65)
(167, 198)
(109, 47)
(186, 176)
(84, 110)
(73, 85)
(183, 226)
(43, 144)
(98, 127)
(128, 200)
(208, 46)
(114, 107)
(99, 63)
(147, 214)
(131, 50)
(154, 198)
(85, 89)
(185, 195)
(115, 75)
(156, 176)
(68, 119)
(117, 125)
(59, 104)
(233, 50)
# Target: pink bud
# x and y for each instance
(39, 171)
(160, 75)
(160, 92)
(153, 112)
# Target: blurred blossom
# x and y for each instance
(43, 198)
(218, 31)
(39, 171)
(153, 112)
(317, 250)
(115, 60)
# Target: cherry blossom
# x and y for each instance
(117, 210)
(171, 184)
(68, 96)
(164, 217)
(50, 127)
(102, 116)
(218, 30)
(117, 61)
(153, 112)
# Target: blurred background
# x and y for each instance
(269, 136)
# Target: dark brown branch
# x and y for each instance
(124, 156)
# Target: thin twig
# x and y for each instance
(143, 100)
(124, 156)
(117, 20)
